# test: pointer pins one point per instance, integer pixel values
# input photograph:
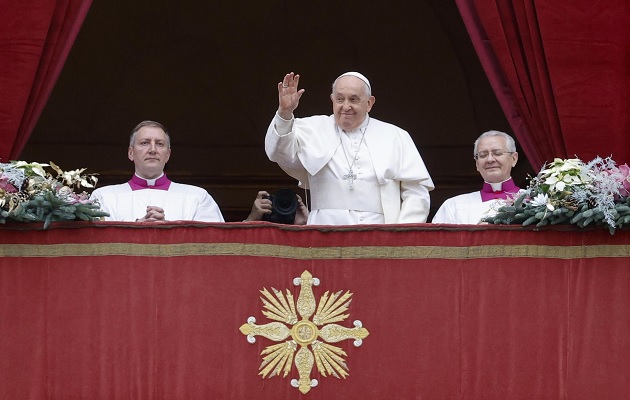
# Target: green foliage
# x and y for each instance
(572, 192)
(29, 194)
(47, 208)
(583, 216)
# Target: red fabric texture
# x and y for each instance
(35, 39)
(477, 313)
(559, 70)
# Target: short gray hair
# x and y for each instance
(511, 145)
(132, 138)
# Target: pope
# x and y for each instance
(359, 170)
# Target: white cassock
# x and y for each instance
(466, 208)
(180, 203)
(371, 175)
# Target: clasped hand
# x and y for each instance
(154, 213)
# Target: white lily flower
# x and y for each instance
(37, 168)
(540, 200)
(551, 180)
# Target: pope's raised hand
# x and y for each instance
(288, 95)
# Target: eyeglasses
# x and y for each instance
(495, 154)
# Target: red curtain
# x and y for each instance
(152, 311)
(560, 72)
(35, 39)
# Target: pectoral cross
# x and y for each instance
(350, 176)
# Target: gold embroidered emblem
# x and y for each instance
(304, 332)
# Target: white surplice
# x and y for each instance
(467, 208)
(180, 203)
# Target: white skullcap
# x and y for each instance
(356, 75)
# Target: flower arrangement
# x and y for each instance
(28, 193)
(570, 191)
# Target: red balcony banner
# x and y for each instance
(251, 310)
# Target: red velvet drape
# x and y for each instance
(35, 39)
(560, 71)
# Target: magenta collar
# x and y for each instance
(508, 188)
(161, 183)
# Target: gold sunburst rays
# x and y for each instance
(279, 307)
(278, 358)
(329, 360)
(331, 308)
(307, 344)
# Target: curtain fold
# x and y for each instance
(559, 72)
(35, 39)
